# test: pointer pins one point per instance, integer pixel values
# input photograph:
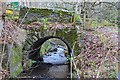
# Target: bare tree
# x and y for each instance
(2, 19)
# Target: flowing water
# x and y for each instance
(39, 25)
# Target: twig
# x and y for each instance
(24, 17)
(74, 61)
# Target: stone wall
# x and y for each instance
(67, 7)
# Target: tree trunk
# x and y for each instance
(2, 11)
(2, 15)
(84, 14)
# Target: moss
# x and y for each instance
(62, 13)
(70, 36)
(59, 16)
(17, 71)
(16, 61)
(44, 12)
